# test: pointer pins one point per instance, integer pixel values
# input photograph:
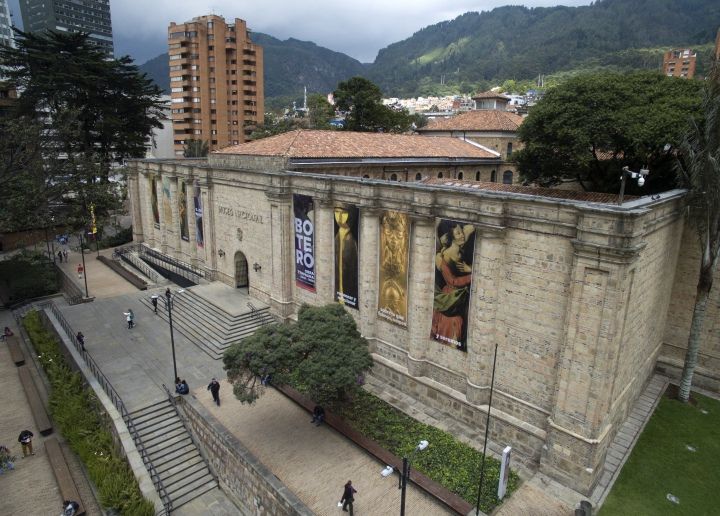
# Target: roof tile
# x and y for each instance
(477, 120)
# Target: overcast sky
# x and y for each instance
(358, 28)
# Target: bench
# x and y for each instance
(16, 353)
(450, 499)
(66, 484)
(37, 407)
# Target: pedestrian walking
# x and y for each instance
(80, 270)
(65, 254)
(60, 256)
(214, 388)
(81, 339)
(130, 318)
(348, 497)
(25, 440)
(153, 300)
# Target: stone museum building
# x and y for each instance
(574, 289)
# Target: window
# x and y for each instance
(440, 175)
(176, 90)
(507, 177)
(366, 176)
(493, 176)
(176, 79)
(460, 175)
(477, 176)
(509, 149)
(393, 177)
(418, 176)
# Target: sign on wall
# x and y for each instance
(197, 202)
(182, 210)
(394, 252)
(154, 200)
(304, 227)
(454, 249)
(346, 255)
(167, 209)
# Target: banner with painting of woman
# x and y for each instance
(154, 200)
(182, 210)
(346, 255)
(454, 249)
(394, 249)
(197, 202)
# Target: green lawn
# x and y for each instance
(661, 463)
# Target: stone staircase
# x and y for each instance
(208, 326)
(174, 455)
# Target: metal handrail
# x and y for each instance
(144, 249)
(134, 260)
(116, 400)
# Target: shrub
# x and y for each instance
(77, 413)
(27, 275)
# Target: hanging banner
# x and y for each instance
(304, 227)
(167, 209)
(394, 252)
(182, 211)
(504, 472)
(346, 255)
(154, 200)
(454, 250)
(197, 202)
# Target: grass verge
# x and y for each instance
(76, 411)
(662, 463)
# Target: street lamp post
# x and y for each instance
(169, 300)
(404, 474)
(82, 254)
(487, 428)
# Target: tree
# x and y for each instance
(592, 125)
(273, 125)
(361, 100)
(699, 171)
(320, 111)
(95, 112)
(323, 355)
(195, 148)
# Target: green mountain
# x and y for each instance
(516, 42)
(289, 65)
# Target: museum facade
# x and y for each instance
(572, 288)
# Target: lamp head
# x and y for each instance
(387, 471)
(641, 181)
(422, 445)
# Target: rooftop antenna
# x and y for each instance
(305, 98)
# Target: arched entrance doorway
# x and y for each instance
(241, 271)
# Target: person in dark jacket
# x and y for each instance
(70, 508)
(182, 387)
(214, 388)
(25, 440)
(348, 497)
(81, 339)
(318, 415)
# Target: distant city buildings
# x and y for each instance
(161, 144)
(90, 16)
(6, 34)
(216, 82)
(679, 63)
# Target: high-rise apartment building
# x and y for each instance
(679, 63)
(6, 33)
(216, 82)
(91, 16)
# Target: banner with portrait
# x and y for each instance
(154, 200)
(394, 253)
(167, 208)
(182, 211)
(454, 250)
(347, 218)
(197, 202)
(304, 227)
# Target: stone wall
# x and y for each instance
(242, 477)
(679, 316)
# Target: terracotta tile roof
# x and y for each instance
(312, 144)
(570, 195)
(477, 120)
(490, 95)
